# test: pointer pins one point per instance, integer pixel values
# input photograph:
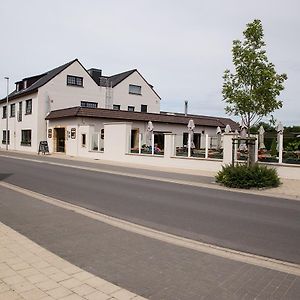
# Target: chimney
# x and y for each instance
(186, 107)
(95, 74)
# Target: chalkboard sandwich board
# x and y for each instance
(43, 147)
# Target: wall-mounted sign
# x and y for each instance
(73, 133)
(50, 133)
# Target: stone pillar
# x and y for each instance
(256, 148)
(206, 146)
(227, 147)
(280, 147)
(169, 150)
(116, 140)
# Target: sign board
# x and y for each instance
(43, 147)
(73, 133)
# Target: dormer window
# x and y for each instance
(17, 87)
(25, 84)
(135, 89)
(74, 80)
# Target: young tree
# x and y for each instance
(251, 92)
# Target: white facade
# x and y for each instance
(21, 121)
(92, 126)
(56, 94)
(122, 97)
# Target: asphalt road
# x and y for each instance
(260, 225)
(151, 268)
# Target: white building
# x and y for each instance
(69, 105)
(67, 86)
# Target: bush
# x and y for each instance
(273, 148)
(246, 177)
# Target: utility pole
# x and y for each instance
(7, 91)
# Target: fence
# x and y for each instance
(149, 143)
(288, 153)
(188, 145)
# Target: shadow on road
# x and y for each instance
(4, 176)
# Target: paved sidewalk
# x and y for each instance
(28, 271)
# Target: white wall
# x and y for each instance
(122, 97)
(177, 129)
(56, 94)
(15, 127)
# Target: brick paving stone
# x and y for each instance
(49, 270)
(34, 294)
(72, 297)
(95, 282)
(37, 278)
(13, 279)
(47, 285)
(98, 296)
(10, 295)
(3, 287)
(59, 276)
(70, 283)
(23, 286)
(20, 266)
(28, 272)
(82, 275)
(83, 290)
(122, 295)
(59, 292)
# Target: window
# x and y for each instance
(28, 107)
(20, 112)
(135, 89)
(26, 137)
(74, 80)
(185, 138)
(144, 108)
(88, 104)
(130, 108)
(4, 137)
(12, 110)
(83, 140)
(4, 115)
(116, 107)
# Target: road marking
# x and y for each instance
(244, 257)
(211, 185)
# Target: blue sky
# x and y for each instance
(181, 47)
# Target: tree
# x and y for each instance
(252, 91)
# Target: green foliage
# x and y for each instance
(267, 127)
(273, 148)
(252, 91)
(293, 146)
(246, 177)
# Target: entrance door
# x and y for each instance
(60, 139)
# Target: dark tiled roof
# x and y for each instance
(115, 79)
(234, 125)
(112, 81)
(43, 79)
(138, 116)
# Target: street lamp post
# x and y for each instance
(7, 90)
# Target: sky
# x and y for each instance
(180, 47)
